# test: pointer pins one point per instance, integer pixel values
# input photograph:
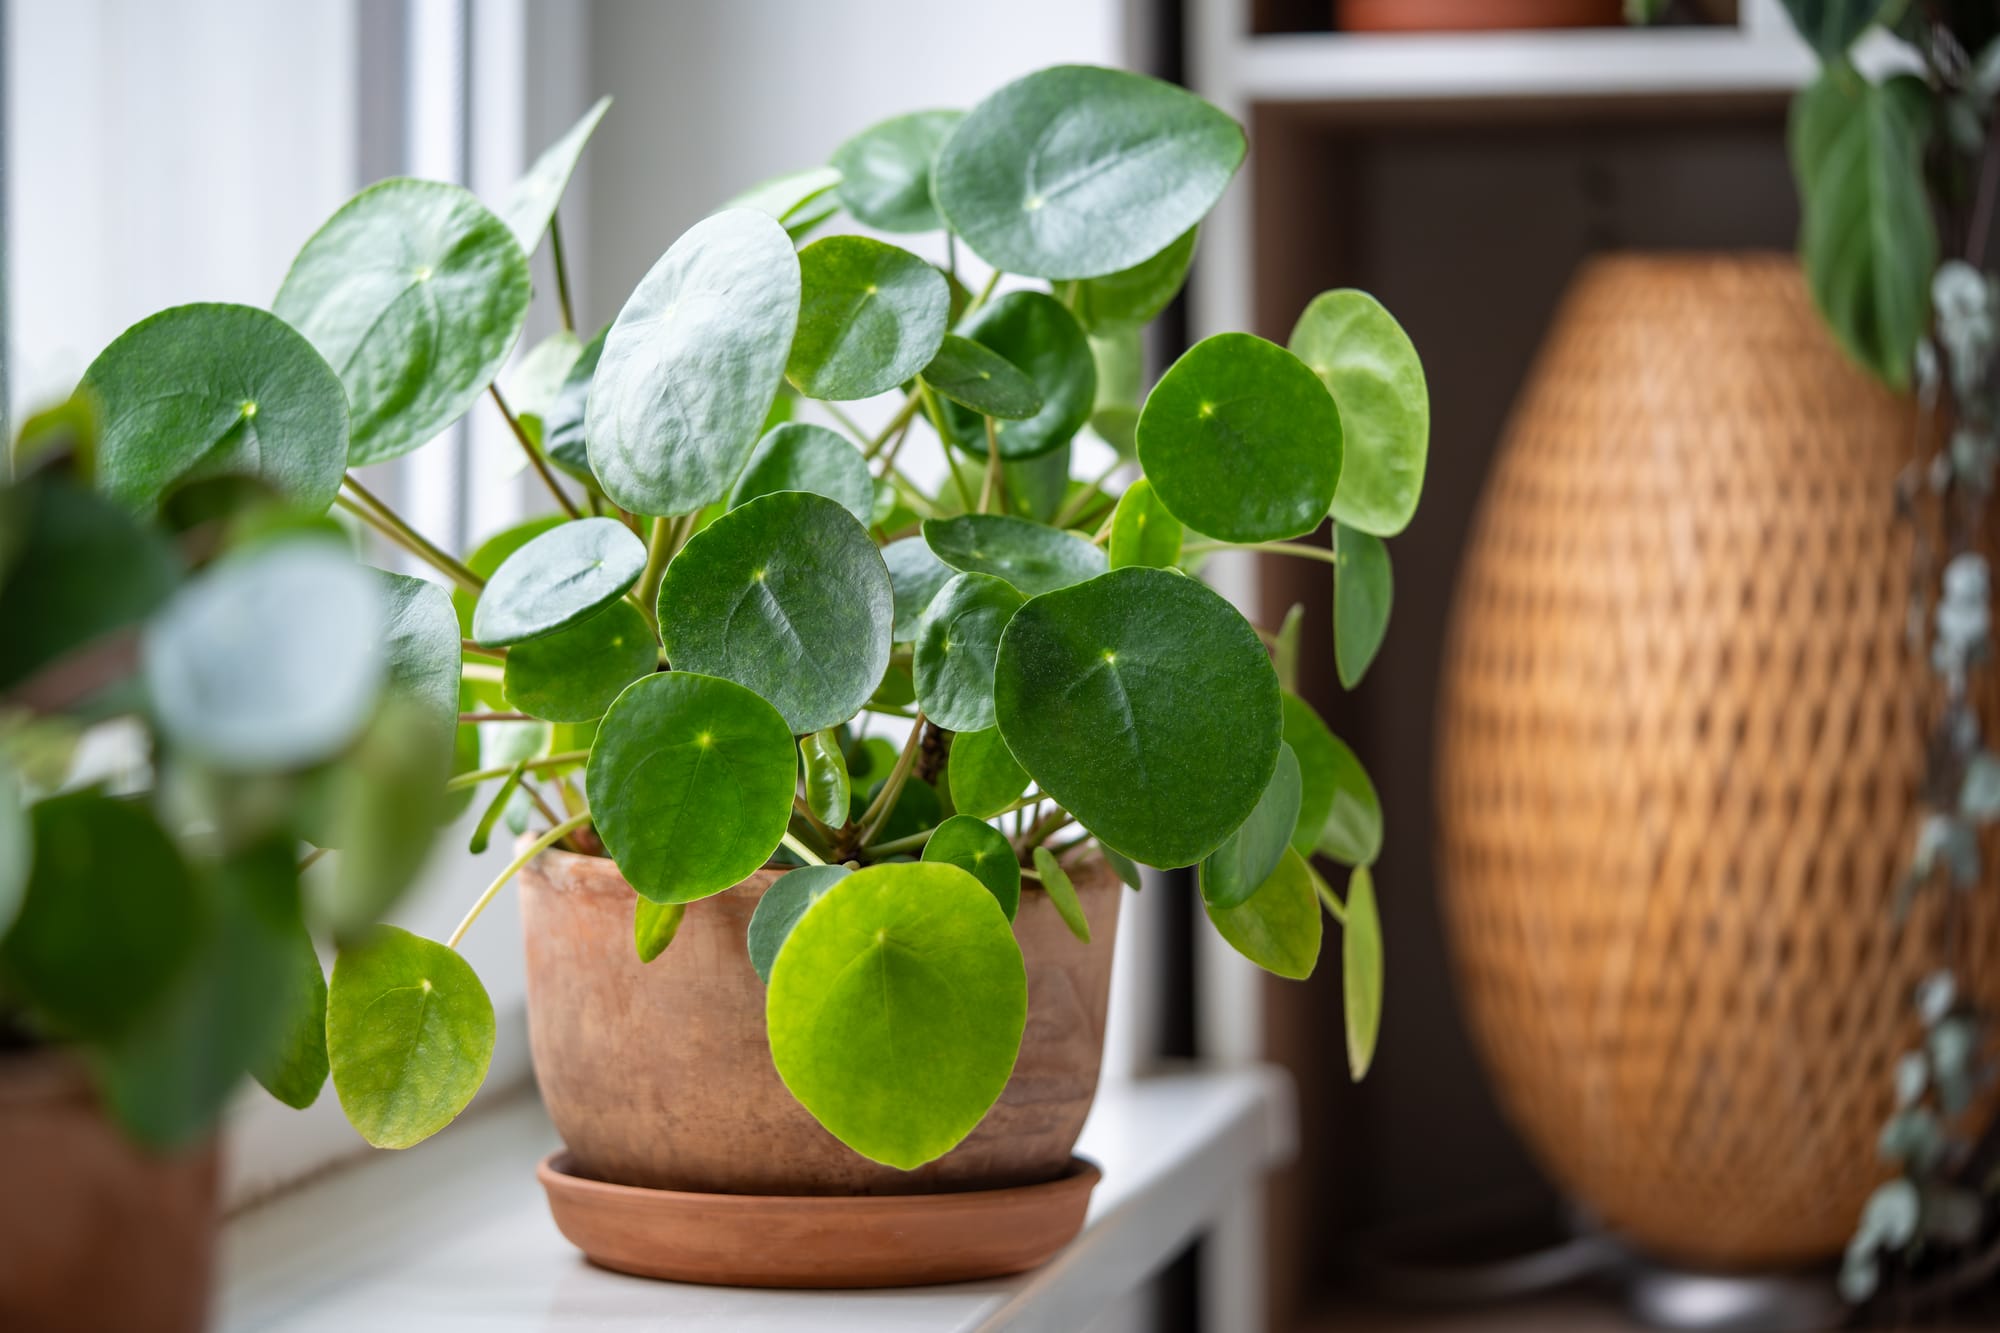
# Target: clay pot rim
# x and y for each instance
(555, 1174)
(1086, 853)
(44, 1073)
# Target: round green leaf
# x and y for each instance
(915, 575)
(955, 646)
(1136, 295)
(872, 316)
(692, 363)
(1033, 557)
(1036, 333)
(654, 926)
(532, 202)
(414, 294)
(575, 674)
(1242, 441)
(271, 659)
(982, 851)
(980, 378)
(780, 909)
(985, 778)
(110, 916)
(788, 596)
(1278, 927)
(896, 1008)
(799, 457)
(1062, 893)
(1250, 855)
(1361, 971)
(1363, 589)
(1143, 530)
(690, 784)
(562, 423)
(558, 579)
(489, 555)
(1076, 172)
(211, 390)
(1371, 368)
(885, 171)
(409, 1034)
(829, 791)
(1144, 704)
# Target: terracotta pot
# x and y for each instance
(1474, 15)
(659, 1074)
(1681, 733)
(95, 1233)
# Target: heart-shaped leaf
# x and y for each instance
(409, 1034)
(414, 294)
(575, 674)
(1036, 333)
(1135, 296)
(800, 457)
(985, 778)
(896, 1008)
(1062, 893)
(558, 579)
(955, 647)
(871, 317)
(978, 377)
(1143, 530)
(690, 784)
(981, 851)
(1361, 971)
(1278, 927)
(1034, 557)
(1242, 441)
(1250, 855)
(1363, 589)
(654, 926)
(532, 201)
(1145, 705)
(829, 792)
(211, 390)
(915, 574)
(1371, 368)
(780, 909)
(1076, 172)
(692, 363)
(885, 171)
(787, 595)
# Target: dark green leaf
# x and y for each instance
(917, 809)
(780, 909)
(574, 674)
(654, 926)
(1143, 530)
(558, 579)
(885, 171)
(1242, 441)
(212, 390)
(955, 646)
(915, 574)
(1371, 368)
(692, 363)
(532, 201)
(789, 596)
(1032, 556)
(562, 424)
(1076, 172)
(1339, 813)
(293, 1068)
(981, 851)
(871, 317)
(690, 784)
(1250, 855)
(1136, 295)
(828, 790)
(1361, 971)
(800, 457)
(1062, 893)
(1035, 333)
(985, 779)
(1145, 705)
(1831, 26)
(977, 377)
(414, 294)
(1278, 927)
(1363, 589)
(1126, 870)
(1036, 488)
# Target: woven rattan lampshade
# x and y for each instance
(1680, 735)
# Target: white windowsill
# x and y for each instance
(456, 1235)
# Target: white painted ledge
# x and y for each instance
(455, 1235)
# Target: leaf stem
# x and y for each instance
(1043, 827)
(936, 414)
(464, 718)
(985, 294)
(562, 272)
(903, 417)
(392, 524)
(1300, 549)
(899, 845)
(480, 650)
(803, 852)
(1074, 510)
(1334, 907)
(850, 425)
(479, 775)
(534, 454)
(528, 853)
(877, 814)
(990, 493)
(659, 552)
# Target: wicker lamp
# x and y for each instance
(1680, 738)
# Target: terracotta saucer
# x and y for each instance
(873, 1240)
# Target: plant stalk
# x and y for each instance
(990, 493)
(803, 852)
(562, 273)
(877, 814)
(528, 853)
(477, 776)
(1299, 549)
(387, 521)
(534, 454)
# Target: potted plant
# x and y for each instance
(194, 680)
(832, 774)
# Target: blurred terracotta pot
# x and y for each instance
(659, 1074)
(1474, 15)
(1681, 734)
(95, 1233)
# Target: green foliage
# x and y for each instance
(1278, 927)
(1832, 26)
(654, 926)
(1369, 365)
(293, 1068)
(871, 317)
(956, 644)
(574, 674)
(1143, 530)
(1034, 557)
(1238, 868)
(977, 377)
(800, 457)
(532, 202)
(985, 777)
(780, 909)
(885, 171)
(1363, 589)
(1062, 893)
(1361, 971)
(1136, 295)
(828, 787)
(982, 851)
(1035, 333)
(915, 575)
(556, 580)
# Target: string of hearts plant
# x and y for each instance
(688, 666)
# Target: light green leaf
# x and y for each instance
(1143, 530)
(978, 377)
(1242, 441)
(955, 645)
(409, 1034)
(828, 790)
(1076, 172)
(896, 1008)
(1062, 893)
(420, 641)
(561, 578)
(1145, 705)
(1250, 855)
(1034, 557)
(787, 595)
(799, 457)
(1361, 971)
(692, 364)
(1035, 333)
(885, 171)
(1363, 588)
(496, 806)
(414, 294)
(1135, 296)
(1278, 927)
(537, 379)
(380, 804)
(981, 851)
(871, 317)
(533, 200)
(212, 390)
(780, 909)
(915, 574)
(985, 779)
(654, 926)
(1285, 651)
(1371, 368)
(574, 674)
(690, 784)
